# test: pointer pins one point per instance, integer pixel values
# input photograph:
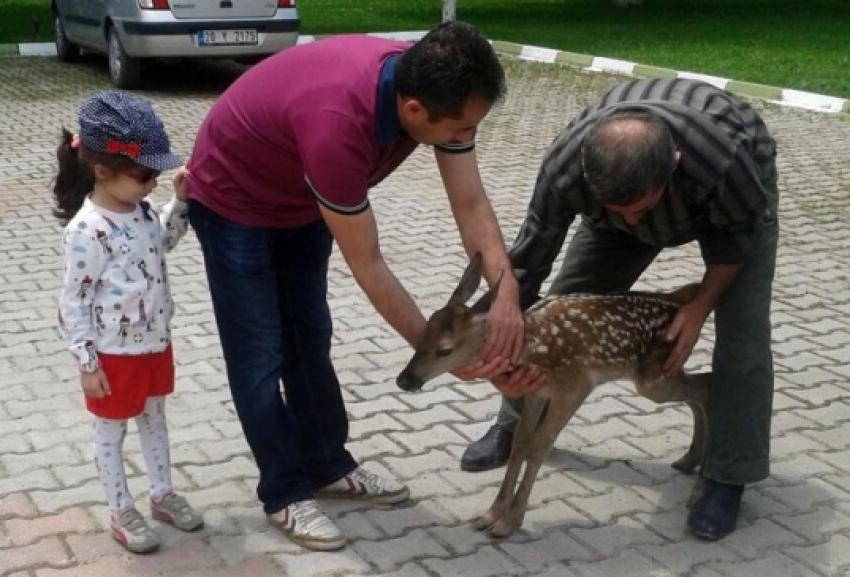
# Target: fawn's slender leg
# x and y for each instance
(561, 408)
(689, 388)
(693, 458)
(533, 406)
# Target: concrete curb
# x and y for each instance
(782, 96)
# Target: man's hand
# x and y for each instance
(95, 385)
(519, 382)
(505, 326)
(483, 370)
(510, 382)
(684, 332)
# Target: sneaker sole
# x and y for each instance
(311, 543)
(389, 499)
(168, 518)
(316, 545)
(122, 540)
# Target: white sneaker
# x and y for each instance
(175, 510)
(362, 485)
(132, 532)
(307, 525)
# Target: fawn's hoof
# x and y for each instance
(503, 528)
(485, 521)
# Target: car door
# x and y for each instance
(73, 20)
(96, 12)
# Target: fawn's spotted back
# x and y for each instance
(568, 332)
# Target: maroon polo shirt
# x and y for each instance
(315, 123)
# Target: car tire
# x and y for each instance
(124, 71)
(66, 50)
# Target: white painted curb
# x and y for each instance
(789, 97)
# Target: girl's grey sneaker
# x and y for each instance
(362, 485)
(175, 510)
(307, 525)
(132, 532)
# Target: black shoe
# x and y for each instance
(715, 514)
(490, 451)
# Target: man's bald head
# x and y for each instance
(626, 155)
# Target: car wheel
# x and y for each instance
(124, 71)
(66, 50)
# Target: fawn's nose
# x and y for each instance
(407, 381)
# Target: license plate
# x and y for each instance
(226, 37)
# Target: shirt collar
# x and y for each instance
(387, 128)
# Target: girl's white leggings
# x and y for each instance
(109, 437)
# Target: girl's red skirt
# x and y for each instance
(133, 378)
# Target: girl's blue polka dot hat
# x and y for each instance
(114, 122)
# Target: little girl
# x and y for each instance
(115, 306)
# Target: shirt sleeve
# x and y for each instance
(336, 156)
(174, 220)
(86, 253)
(738, 206)
(456, 147)
(540, 238)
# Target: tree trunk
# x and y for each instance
(449, 10)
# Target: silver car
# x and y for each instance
(128, 31)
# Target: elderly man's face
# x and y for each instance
(633, 212)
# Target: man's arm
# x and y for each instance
(479, 231)
(357, 238)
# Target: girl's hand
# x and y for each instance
(95, 385)
(179, 181)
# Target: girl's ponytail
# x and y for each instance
(74, 180)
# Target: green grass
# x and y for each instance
(25, 21)
(803, 44)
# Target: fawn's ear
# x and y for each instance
(468, 282)
(483, 304)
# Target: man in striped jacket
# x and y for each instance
(655, 164)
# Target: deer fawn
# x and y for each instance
(577, 342)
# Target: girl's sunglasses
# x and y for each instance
(143, 175)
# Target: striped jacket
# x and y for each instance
(722, 189)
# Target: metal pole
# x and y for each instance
(449, 10)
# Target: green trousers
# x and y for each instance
(740, 403)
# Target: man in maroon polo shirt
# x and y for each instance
(280, 168)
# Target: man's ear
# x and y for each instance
(413, 111)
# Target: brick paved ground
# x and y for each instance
(606, 503)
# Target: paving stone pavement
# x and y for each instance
(606, 503)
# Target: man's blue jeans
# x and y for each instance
(269, 293)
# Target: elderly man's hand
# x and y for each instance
(684, 334)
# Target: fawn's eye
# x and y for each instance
(444, 352)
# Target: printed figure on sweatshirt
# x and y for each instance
(84, 286)
(126, 363)
(98, 319)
